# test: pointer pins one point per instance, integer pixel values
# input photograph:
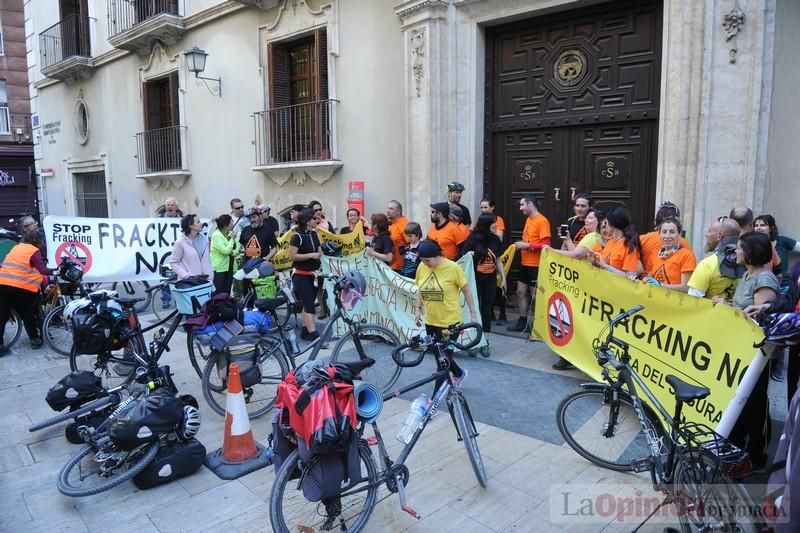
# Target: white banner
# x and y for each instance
(119, 249)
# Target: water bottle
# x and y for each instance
(414, 418)
(293, 339)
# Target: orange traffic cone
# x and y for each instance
(240, 453)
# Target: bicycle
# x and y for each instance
(350, 511)
(609, 425)
(283, 282)
(56, 330)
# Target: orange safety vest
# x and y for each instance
(16, 269)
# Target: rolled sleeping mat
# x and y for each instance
(369, 400)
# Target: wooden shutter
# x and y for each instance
(278, 58)
(321, 118)
(321, 75)
(174, 110)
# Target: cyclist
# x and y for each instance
(304, 252)
(22, 273)
(441, 282)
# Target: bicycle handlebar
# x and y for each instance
(426, 342)
(163, 283)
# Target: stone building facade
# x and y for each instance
(634, 101)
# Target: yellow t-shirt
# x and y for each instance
(591, 240)
(440, 291)
(707, 278)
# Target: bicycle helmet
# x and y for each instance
(190, 423)
(353, 287)
(253, 211)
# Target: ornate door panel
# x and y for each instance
(589, 79)
(529, 162)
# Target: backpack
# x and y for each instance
(488, 265)
(219, 308)
(320, 406)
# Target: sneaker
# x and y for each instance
(165, 305)
(472, 353)
(463, 377)
(501, 321)
(4, 349)
(37, 343)
(562, 364)
(486, 351)
(521, 325)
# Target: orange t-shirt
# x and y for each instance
(449, 237)
(398, 240)
(500, 224)
(618, 256)
(536, 231)
(651, 244)
(668, 271)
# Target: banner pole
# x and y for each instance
(742, 394)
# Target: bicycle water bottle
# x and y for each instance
(293, 339)
(414, 418)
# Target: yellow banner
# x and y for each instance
(281, 259)
(677, 334)
(507, 258)
(351, 243)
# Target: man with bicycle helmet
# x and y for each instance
(441, 283)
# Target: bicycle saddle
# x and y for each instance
(356, 367)
(685, 392)
(270, 304)
(125, 301)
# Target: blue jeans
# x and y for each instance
(166, 295)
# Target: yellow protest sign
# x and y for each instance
(351, 243)
(281, 259)
(507, 258)
(677, 334)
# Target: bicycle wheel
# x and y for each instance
(95, 405)
(113, 368)
(289, 510)
(376, 342)
(13, 329)
(57, 331)
(134, 289)
(198, 353)
(92, 470)
(466, 427)
(162, 303)
(260, 397)
(706, 499)
(583, 418)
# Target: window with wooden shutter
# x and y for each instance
(161, 138)
(298, 119)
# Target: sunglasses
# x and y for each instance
(722, 218)
(239, 207)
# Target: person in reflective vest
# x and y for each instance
(22, 273)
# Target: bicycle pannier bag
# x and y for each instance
(322, 411)
(155, 415)
(244, 351)
(190, 294)
(96, 332)
(176, 459)
(282, 440)
(329, 474)
(74, 390)
(265, 287)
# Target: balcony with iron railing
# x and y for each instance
(66, 50)
(162, 155)
(138, 24)
(15, 127)
(297, 140)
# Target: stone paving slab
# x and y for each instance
(513, 396)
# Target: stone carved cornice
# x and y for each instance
(407, 9)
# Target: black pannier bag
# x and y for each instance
(157, 414)
(175, 459)
(243, 350)
(74, 390)
(96, 332)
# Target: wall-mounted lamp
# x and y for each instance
(196, 61)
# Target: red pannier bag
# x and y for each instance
(322, 411)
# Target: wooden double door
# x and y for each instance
(572, 106)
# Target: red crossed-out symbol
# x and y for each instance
(77, 252)
(560, 318)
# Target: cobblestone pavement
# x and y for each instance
(535, 479)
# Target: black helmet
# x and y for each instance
(455, 186)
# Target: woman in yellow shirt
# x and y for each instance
(586, 246)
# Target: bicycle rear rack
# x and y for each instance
(699, 438)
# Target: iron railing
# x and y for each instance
(295, 133)
(67, 38)
(125, 14)
(160, 150)
(16, 125)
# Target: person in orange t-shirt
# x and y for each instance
(673, 263)
(397, 225)
(535, 234)
(499, 228)
(650, 243)
(443, 232)
(621, 252)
